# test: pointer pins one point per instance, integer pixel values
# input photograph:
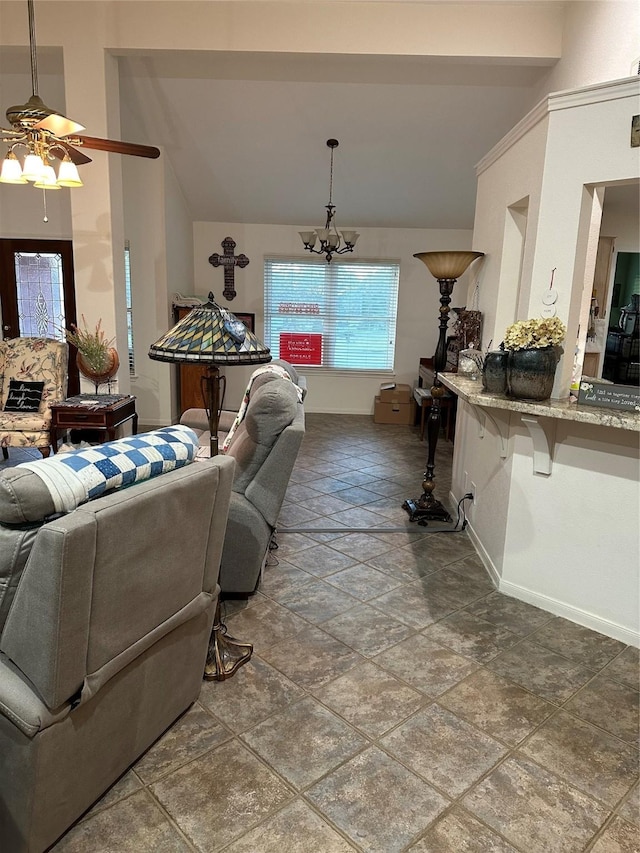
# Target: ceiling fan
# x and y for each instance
(43, 135)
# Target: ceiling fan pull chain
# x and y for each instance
(44, 204)
(32, 43)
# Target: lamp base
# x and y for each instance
(225, 654)
(425, 508)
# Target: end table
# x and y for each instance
(101, 412)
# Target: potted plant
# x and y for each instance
(97, 359)
(533, 356)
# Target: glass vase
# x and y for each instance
(531, 373)
(494, 372)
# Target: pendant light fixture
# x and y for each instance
(332, 242)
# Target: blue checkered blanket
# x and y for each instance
(81, 475)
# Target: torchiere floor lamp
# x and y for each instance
(210, 335)
(446, 267)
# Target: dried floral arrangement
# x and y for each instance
(535, 333)
(93, 345)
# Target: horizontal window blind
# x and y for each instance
(129, 298)
(340, 315)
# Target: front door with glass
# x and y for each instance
(37, 292)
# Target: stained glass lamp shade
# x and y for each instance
(210, 335)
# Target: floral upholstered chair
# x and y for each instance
(33, 374)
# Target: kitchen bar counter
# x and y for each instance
(472, 392)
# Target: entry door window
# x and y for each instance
(37, 293)
(40, 295)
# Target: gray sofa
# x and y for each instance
(103, 638)
(265, 447)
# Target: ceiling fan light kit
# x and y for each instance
(332, 242)
(42, 135)
(48, 180)
(12, 172)
(68, 174)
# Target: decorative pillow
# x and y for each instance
(24, 396)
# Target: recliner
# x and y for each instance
(106, 636)
(265, 446)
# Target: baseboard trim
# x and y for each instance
(574, 614)
(487, 562)
(549, 604)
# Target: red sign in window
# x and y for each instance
(301, 348)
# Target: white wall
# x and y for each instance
(599, 42)
(572, 542)
(503, 183)
(158, 227)
(623, 224)
(567, 541)
(418, 301)
(562, 240)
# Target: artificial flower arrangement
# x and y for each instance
(535, 334)
(93, 346)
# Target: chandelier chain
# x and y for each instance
(331, 180)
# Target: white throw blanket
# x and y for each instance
(80, 475)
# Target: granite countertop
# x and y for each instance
(472, 392)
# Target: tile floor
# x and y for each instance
(395, 701)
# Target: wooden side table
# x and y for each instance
(422, 396)
(102, 412)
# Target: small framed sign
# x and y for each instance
(301, 348)
(608, 395)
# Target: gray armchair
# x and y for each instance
(104, 639)
(265, 446)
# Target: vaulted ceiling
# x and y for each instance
(246, 132)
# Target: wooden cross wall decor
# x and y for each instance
(229, 261)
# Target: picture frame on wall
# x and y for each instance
(248, 319)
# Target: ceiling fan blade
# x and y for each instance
(59, 149)
(117, 147)
(59, 125)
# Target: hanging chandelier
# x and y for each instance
(332, 242)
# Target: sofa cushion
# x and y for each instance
(272, 407)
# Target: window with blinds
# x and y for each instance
(340, 315)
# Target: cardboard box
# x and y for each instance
(392, 392)
(394, 413)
